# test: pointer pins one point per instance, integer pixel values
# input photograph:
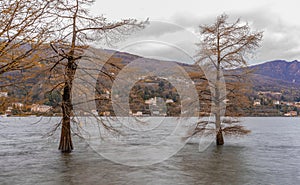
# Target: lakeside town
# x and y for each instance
(266, 103)
(21, 109)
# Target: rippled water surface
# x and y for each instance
(269, 155)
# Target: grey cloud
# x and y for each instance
(165, 36)
(281, 39)
(186, 19)
(163, 51)
(158, 29)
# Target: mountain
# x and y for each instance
(277, 75)
(288, 72)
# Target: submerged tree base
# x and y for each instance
(219, 138)
(65, 145)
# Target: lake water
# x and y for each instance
(269, 155)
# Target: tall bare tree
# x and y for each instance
(75, 29)
(225, 46)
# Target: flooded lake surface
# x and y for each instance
(269, 155)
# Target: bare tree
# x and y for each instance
(225, 46)
(23, 30)
(75, 29)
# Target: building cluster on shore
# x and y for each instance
(18, 108)
(265, 104)
(21, 109)
(271, 103)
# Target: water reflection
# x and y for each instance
(217, 165)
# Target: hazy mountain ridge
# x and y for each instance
(276, 75)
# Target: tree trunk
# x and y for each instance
(218, 101)
(219, 135)
(219, 138)
(66, 144)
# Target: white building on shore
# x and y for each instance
(40, 108)
(4, 94)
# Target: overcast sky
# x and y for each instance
(174, 25)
